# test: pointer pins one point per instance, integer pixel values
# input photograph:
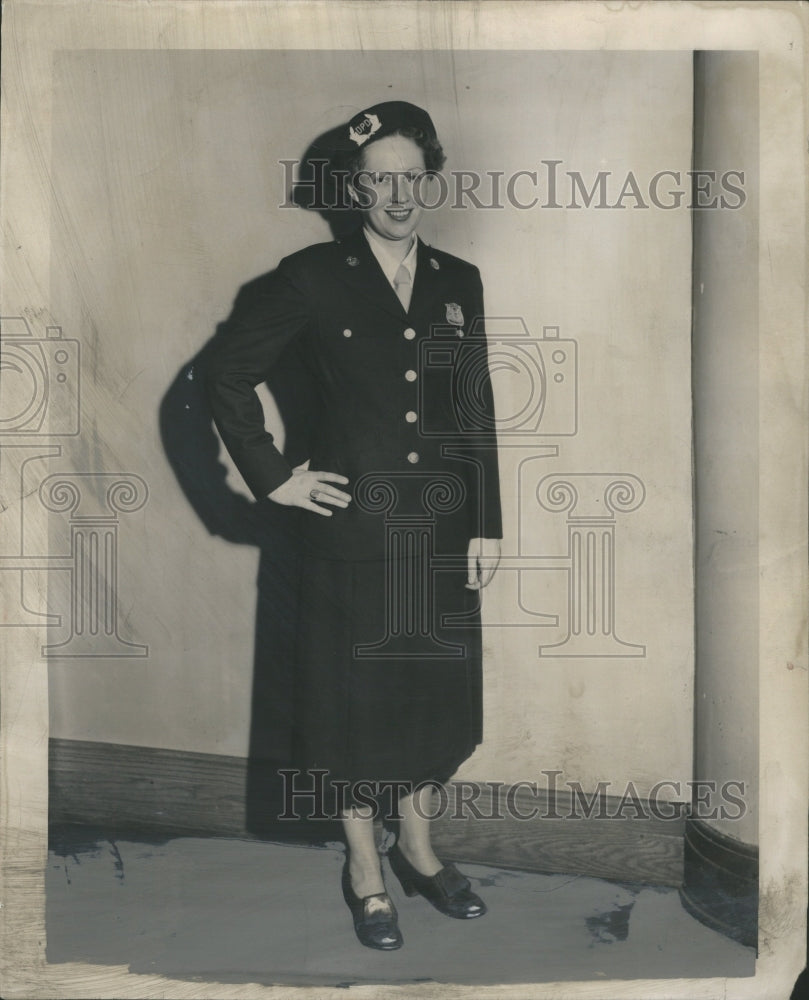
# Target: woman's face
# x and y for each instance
(384, 187)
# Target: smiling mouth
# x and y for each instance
(399, 214)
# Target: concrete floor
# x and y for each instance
(244, 911)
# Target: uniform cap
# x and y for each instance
(381, 120)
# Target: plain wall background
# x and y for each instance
(726, 404)
(166, 187)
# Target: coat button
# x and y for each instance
(411, 416)
(409, 333)
(410, 375)
(413, 457)
(346, 333)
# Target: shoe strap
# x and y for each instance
(451, 880)
(385, 908)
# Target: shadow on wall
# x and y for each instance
(192, 448)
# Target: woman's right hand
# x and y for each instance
(311, 489)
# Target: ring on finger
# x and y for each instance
(314, 494)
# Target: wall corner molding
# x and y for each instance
(175, 793)
(720, 883)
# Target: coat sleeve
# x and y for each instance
(246, 351)
(475, 396)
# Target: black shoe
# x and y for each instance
(376, 929)
(448, 890)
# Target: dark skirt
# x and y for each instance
(388, 684)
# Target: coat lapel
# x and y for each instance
(426, 283)
(359, 268)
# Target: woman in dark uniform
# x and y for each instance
(401, 495)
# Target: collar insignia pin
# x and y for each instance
(454, 314)
(434, 264)
(353, 261)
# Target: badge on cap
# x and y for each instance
(364, 129)
(353, 261)
(454, 314)
(434, 264)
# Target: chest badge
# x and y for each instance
(353, 261)
(434, 264)
(454, 314)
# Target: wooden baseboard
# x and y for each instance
(720, 882)
(168, 793)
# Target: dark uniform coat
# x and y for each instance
(403, 410)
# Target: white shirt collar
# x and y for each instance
(387, 261)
